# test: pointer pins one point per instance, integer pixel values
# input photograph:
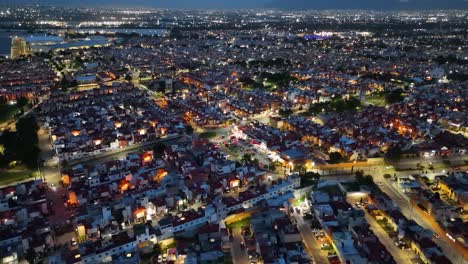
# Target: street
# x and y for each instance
(49, 169)
(239, 255)
(312, 246)
(454, 251)
(399, 255)
(120, 152)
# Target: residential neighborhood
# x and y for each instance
(152, 135)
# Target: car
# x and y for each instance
(324, 245)
(450, 237)
(400, 244)
(319, 235)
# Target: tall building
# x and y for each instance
(19, 47)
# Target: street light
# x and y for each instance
(291, 166)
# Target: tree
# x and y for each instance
(300, 168)
(285, 112)
(30, 256)
(272, 166)
(22, 101)
(157, 250)
(335, 157)
(23, 143)
(312, 175)
(394, 96)
(393, 153)
(175, 33)
(246, 158)
(359, 174)
(364, 180)
(158, 148)
(189, 130)
(255, 162)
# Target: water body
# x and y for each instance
(140, 31)
(5, 40)
(5, 35)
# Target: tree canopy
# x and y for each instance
(22, 144)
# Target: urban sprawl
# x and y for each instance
(166, 136)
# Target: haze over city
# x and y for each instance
(280, 4)
(245, 132)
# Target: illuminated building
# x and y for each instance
(19, 48)
(72, 198)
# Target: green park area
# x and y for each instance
(9, 111)
(240, 224)
(376, 99)
(208, 135)
(266, 81)
(18, 174)
(19, 152)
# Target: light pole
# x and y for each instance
(38, 164)
(291, 167)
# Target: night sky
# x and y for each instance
(283, 4)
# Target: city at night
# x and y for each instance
(237, 132)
